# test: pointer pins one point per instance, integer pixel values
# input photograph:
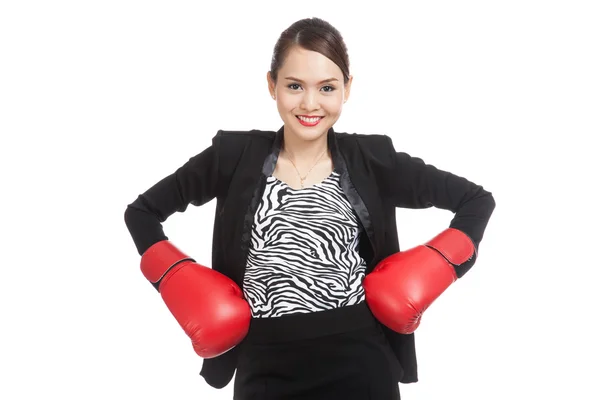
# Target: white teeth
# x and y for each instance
(309, 120)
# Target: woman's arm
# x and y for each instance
(415, 184)
(402, 286)
(195, 183)
(208, 305)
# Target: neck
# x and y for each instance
(304, 152)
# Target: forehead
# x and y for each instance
(309, 66)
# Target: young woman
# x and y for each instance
(309, 295)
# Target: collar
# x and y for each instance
(332, 144)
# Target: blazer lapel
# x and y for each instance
(360, 187)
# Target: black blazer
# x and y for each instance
(375, 178)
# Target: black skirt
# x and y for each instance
(334, 354)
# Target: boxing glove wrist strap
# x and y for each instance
(454, 245)
(159, 259)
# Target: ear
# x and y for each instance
(271, 85)
(347, 87)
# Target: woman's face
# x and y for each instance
(310, 93)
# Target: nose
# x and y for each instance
(310, 101)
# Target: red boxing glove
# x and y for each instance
(208, 305)
(403, 285)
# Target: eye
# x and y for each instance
(294, 86)
(328, 88)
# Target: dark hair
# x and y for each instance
(312, 34)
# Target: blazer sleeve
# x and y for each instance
(415, 184)
(196, 182)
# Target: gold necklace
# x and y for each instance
(298, 172)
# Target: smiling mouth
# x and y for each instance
(309, 121)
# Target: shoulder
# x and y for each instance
(231, 143)
(244, 136)
(373, 146)
(365, 139)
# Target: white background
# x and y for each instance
(100, 100)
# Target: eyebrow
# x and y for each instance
(291, 78)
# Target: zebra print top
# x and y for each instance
(303, 254)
